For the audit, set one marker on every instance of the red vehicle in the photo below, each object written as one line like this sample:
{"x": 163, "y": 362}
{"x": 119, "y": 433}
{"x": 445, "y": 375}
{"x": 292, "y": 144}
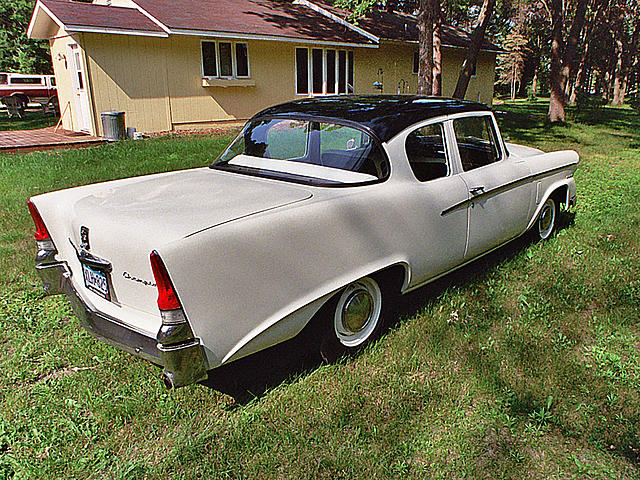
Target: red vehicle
{"x": 29, "y": 88}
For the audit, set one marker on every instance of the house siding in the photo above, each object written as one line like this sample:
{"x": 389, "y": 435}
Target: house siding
{"x": 129, "y": 73}
{"x": 272, "y": 71}
{"x": 158, "y": 81}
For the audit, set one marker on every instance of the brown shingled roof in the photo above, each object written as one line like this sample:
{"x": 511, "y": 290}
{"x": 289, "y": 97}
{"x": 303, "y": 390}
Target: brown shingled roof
{"x": 258, "y": 17}
{"x": 100, "y": 16}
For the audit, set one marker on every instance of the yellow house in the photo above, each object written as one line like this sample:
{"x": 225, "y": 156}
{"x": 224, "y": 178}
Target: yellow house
{"x": 179, "y": 64}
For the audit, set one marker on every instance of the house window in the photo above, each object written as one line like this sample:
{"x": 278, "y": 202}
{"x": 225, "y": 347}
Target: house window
{"x": 225, "y": 59}
{"x": 324, "y": 71}
{"x": 416, "y": 62}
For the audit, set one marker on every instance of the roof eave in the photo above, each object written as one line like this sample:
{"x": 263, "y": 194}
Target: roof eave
{"x": 278, "y": 38}
{"x": 41, "y": 22}
{"x": 115, "y": 31}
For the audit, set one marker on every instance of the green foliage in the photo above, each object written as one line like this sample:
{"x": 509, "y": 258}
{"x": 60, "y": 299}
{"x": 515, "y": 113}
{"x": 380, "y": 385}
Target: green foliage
{"x": 17, "y": 52}
{"x": 634, "y": 102}
{"x": 589, "y": 102}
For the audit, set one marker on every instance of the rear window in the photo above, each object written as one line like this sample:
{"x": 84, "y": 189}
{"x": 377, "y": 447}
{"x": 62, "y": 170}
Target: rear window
{"x": 308, "y": 151}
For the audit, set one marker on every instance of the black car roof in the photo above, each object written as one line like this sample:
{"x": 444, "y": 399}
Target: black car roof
{"x": 384, "y": 115}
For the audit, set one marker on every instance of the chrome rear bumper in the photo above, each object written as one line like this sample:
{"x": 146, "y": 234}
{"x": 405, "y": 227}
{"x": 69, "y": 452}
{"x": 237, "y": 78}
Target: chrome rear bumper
{"x": 183, "y": 361}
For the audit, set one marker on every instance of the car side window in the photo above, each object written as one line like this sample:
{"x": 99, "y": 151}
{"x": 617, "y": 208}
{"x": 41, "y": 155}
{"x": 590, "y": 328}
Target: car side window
{"x": 427, "y": 154}
{"x": 477, "y": 142}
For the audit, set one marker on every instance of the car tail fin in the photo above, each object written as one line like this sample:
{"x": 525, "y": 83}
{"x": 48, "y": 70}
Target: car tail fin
{"x": 41, "y": 230}
{"x": 46, "y": 248}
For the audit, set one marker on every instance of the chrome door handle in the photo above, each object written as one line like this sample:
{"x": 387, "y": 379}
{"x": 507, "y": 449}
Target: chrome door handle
{"x": 476, "y": 190}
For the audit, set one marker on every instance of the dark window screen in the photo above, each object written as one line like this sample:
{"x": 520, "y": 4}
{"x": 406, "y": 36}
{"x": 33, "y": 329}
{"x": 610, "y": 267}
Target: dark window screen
{"x": 226, "y": 68}
{"x": 342, "y": 71}
{"x": 350, "y": 73}
{"x": 209, "y": 68}
{"x": 331, "y": 71}
{"x": 317, "y": 70}
{"x": 242, "y": 60}
{"x": 302, "y": 71}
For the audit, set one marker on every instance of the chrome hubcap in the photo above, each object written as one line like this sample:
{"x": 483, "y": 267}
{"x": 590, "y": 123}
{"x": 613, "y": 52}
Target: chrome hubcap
{"x": 547, "y": 217}
{"x": 545, "y": 221}
{"x": 357, "y": 311}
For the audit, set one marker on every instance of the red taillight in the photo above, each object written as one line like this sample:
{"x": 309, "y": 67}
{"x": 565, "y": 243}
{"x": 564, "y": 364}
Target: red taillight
{"x": 167, "y": 298}
{"x": 41, "y": 230}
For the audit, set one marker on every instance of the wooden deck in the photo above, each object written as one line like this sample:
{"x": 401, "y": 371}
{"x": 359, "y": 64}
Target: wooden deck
{"x": 44, "y": 139}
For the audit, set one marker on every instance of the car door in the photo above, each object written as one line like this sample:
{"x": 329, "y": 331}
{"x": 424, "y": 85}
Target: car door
{"x": 500, "y": 190}
{"x": 440, "y": 239}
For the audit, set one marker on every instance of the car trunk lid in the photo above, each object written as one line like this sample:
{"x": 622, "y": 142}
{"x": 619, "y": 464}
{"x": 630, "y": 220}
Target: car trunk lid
{"x": 121, "y": 222}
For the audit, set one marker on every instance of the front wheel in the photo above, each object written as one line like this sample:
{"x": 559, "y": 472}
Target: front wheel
{"x": 547, "y": 219}
{"x": 358, "y": 318}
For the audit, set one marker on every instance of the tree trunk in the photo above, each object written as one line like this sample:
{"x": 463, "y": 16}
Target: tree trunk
{"x": 562, "y": 64}
{"x": 624, "y": 65}
{"x": 556, "y": 102}
{"x": 425, "y": 55}
{"x": 580, "y": 75}
{"x": 472, "y": 53}
{"x": 437, "y": 50}
{"x": 534, "y": 83}
{"x": 619, "y": 78}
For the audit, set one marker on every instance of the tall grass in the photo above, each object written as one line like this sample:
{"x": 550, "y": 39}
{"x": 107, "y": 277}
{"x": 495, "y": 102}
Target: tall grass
{"x": 525, "y": 364}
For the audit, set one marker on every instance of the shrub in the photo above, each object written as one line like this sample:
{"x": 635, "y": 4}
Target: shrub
{"x": 587, "y": 102}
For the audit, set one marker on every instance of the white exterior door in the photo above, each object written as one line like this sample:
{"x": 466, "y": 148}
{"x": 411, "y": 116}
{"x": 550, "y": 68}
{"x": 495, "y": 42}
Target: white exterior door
{"x": 82, "y": 122}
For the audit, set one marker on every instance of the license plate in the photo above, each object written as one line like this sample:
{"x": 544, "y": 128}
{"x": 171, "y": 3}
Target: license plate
{"x": 96, "y": 281}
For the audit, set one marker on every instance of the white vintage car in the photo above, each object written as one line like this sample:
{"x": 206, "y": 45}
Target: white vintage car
{"x": 320, "y": 209}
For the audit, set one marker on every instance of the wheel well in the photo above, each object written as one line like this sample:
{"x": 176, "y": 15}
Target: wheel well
{"x": 391, "y": 277}
{"x": 559, "y": 195}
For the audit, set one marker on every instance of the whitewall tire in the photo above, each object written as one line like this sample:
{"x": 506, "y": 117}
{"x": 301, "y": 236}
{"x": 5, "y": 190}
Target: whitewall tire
{"x": 355, "y": 318}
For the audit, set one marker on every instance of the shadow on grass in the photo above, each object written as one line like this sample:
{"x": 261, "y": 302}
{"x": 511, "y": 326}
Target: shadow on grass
{"x": 528, "y": 123}
{"x": 252, "y": 376}
{"x": 32, "y": 119}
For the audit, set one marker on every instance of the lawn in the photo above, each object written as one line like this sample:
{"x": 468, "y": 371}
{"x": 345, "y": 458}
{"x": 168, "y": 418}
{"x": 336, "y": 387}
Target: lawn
{"x": 31, "y": 119}
{"x": 525, "y": 364}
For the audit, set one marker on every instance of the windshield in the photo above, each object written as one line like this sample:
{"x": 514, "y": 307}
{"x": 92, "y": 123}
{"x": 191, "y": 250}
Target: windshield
{"x": 305, "y": 151}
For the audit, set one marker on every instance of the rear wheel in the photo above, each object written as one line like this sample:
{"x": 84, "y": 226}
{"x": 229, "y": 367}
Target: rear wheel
{"x": 357, "y": 314}
{"x": 547, "y": 219}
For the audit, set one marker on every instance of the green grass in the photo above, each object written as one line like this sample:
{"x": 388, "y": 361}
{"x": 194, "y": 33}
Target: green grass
{"x": 525, "y": 364}
{"x": 31, "y": 119}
